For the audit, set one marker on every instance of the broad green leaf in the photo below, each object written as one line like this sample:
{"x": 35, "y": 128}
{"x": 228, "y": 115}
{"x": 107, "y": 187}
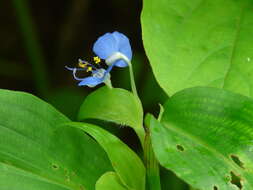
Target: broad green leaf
{"x": 36, "y": 154}
{"x": 115, "y": 105}
{"x": 109, "y": 181}
{"x": 125, "y": 162}
{"x": 206, "y": 138}
{"x": 200, "y": 43}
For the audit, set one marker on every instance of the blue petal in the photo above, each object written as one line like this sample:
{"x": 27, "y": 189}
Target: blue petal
{"x": 124, "y": 46}
{"x": 91, "y": 81}
{"x": 110, "y": 43}
{"x": 105, "y": 46}
{"x": 121, "y": 63}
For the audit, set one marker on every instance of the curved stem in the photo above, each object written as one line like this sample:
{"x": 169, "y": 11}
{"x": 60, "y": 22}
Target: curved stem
{"x": 117, "y": 56}
{"x": 161, "y": 113}
{"x": 133, "y": 86}
{"x": 108, "y": 83}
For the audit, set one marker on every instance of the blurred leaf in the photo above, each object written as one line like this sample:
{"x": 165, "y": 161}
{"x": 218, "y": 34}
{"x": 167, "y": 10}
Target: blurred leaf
{"x": 32, "y": 45}
{"x": 206, "y": 138}
{"x": 36, "y": 154}
{"x": 70, "y": 33}
{"x": 125, "y": 162}
{"x": 109, "y": 181}
{"x": 115, "y": 105}
{"x": 196, "y": 43}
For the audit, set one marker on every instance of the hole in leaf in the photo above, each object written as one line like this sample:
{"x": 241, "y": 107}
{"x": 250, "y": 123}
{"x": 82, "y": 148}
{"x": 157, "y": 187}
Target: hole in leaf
{"x": 55, "y": 166}
{"x": 180, "y": 147}
{"x": 236, "y": 180}
{"x": 237, "y": 161}
{"x": 215, "y": 188}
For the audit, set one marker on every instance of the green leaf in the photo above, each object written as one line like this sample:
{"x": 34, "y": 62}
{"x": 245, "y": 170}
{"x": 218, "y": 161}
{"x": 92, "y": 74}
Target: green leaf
{"x": 200, "y": 43}
{"x": 125, "y": 162}
{"x": 109, "y": 181}
{"x": 115, "y": 105}
{"x": 206, "y": 138}
{"x": 36, "y": 154}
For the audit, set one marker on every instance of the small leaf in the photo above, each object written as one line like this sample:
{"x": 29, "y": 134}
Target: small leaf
{"x": 206, "y": 138}
{"x": 36, "y": 154}
{"x": 109, "y": 181}
{"x": 125, "y": 162}
{"x": 200, "y": 43}
{"x": 115, "y": 105}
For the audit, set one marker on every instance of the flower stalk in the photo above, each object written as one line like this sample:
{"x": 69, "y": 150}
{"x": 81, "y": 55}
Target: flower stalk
{"x": 119, "y": 56}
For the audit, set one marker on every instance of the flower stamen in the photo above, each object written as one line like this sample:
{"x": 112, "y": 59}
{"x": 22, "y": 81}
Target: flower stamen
{"x": 81, "y": 64}
{"x": 74, "y": 75}
{"x": 112, "y": 50}
{"x": 84, "y": 64}
{"x": 89, "y": 69}
{"x": 96, "y": 59}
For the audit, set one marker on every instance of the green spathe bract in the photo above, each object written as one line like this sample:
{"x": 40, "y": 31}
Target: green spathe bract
{"x": 206, "y": 137}
{"x": 115, "y": 105}
{"x": 200, "y": 43}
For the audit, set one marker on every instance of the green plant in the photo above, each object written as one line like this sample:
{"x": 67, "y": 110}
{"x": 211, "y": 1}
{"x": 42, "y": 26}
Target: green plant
{"x": 201, "y": 54}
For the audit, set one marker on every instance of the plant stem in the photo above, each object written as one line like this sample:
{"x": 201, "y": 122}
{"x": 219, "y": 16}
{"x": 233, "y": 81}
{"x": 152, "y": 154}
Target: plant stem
{"x": 152, "y": 166}
{"x": 160, "y": 113}
{"x": 33, "y": 48}
{"x": 117, "y": 56}
{"x": 133, "y": 86}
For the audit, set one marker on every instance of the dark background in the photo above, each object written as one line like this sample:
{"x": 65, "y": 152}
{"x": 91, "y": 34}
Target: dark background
{"x": 38, "y": 38}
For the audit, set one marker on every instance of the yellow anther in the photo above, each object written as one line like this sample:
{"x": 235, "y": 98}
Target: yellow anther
{"x": 96, "y": 59}
{"x": 89, "y": 69}
{"x": 82, "y": 65}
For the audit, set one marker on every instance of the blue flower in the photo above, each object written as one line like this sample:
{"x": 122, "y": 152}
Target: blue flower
{"x": 115, "y": 49}
{"x": 98, "y": 75}
{"x": 112, "y": 43}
